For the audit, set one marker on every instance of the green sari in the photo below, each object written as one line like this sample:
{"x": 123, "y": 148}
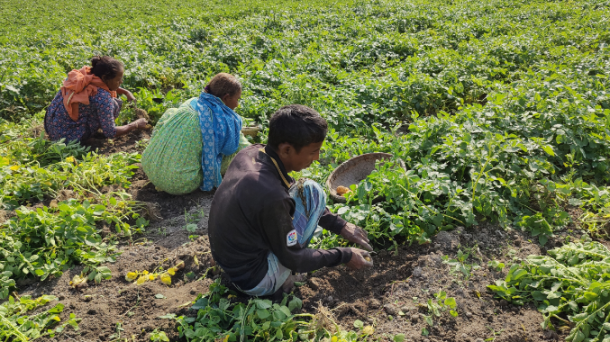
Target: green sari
{"x": 172, "y": 159}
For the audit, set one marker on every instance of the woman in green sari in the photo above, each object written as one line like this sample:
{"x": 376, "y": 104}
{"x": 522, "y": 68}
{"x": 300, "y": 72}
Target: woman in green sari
{"x": 192, "y": 145}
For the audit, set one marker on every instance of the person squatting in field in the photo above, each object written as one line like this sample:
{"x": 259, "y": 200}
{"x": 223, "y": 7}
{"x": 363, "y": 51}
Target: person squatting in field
{"x": 261, "y": 221}
{"x": 192, "y": 145}
{"x": 88, "y": 101}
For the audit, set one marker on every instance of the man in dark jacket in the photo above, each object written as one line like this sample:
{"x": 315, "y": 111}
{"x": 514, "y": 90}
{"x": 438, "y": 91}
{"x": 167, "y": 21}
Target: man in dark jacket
{"x": 261, "y": 220}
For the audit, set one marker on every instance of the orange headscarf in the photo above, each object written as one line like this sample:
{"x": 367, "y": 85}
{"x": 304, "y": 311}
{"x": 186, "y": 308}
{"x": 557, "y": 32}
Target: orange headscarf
{"x": 77, "y": 88}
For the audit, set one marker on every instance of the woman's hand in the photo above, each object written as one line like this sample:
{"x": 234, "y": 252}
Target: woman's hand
{"x": 139, "y": 124}
{"x": 136, "y": 125}
{"x": 127, "y": 94}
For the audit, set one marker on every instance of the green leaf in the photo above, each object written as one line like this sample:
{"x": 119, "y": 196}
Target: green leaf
{"x": 399, "y": 338}
{"x": 285, "y": 311}
{"x": 549, "y": 150}
{"x": 590, "y": 296}
{"x": 263, "y": 314}
{"x": 263, "y": 304}
{"x": 542, "y": 239}
{"x": 551, "y": 309}
{"x": 451, "y": 302}
{"x": 295, "y": 304}
{"x": 201, "y": 303}
{"x": 358, "y": 324}
{"x": 519, "y": 274}
{"x": 579, "y": 337}
{"x": 160, "y": 296}
{"x": 538, "y": 295}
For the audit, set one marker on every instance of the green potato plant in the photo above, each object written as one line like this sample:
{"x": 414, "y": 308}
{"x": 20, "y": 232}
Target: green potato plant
{"x": 47, "y": 241}
{"x": 570, "y": 286}
{"x": 18, "y": 326}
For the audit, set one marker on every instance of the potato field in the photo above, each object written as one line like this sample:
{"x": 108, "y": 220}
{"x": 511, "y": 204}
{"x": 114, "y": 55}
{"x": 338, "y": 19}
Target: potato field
{"x": 496, "y": 229}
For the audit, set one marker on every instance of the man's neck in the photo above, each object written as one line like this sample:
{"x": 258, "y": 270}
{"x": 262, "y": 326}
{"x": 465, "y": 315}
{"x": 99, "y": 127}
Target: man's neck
{"x": 283, "y": 174}
{"x": 279, "y": 159}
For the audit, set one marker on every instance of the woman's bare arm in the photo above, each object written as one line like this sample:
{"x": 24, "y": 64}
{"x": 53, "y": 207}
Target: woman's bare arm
{"x": 133, "y": 126}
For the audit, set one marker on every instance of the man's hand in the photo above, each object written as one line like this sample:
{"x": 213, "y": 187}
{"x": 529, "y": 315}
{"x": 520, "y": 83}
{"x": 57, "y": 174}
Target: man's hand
{"x": 355, "y": 234}
{"x": 360, "y": 259}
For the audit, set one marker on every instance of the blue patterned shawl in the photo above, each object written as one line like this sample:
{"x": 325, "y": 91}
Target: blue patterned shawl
{"x": 220, "y": 129}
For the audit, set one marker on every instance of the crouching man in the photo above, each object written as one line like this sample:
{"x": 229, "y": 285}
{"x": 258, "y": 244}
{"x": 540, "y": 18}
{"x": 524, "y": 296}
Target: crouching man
{"x": 261, "y": 220}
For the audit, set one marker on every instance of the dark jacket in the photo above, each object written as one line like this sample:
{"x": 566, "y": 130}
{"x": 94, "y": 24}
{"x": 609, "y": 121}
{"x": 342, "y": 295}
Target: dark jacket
{"x": 251, "y": 214}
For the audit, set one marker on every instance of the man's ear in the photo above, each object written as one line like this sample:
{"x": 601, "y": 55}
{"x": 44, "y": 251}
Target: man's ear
{"x": 284, "y": 149}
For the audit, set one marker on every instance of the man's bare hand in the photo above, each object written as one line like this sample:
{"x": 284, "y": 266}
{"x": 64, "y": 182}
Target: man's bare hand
{"x": 355, "y": 234}
{"x": 360, "y": 259}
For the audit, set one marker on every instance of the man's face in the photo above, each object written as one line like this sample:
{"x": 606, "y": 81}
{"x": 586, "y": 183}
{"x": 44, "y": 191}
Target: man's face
{"x": 294, "y": 161}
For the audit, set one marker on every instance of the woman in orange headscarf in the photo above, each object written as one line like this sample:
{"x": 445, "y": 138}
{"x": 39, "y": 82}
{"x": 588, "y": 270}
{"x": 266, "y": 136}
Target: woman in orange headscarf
{"x": 88, "y": 101}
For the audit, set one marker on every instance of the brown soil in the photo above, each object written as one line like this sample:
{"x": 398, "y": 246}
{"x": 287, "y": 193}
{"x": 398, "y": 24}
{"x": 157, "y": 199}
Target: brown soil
{"x": 391, "y": 296}
{"x": 136, "y": 307}
{"x": 125, "y": 143}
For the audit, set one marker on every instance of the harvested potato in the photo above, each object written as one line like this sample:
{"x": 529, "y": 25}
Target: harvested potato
{"x": 342, "y": 190}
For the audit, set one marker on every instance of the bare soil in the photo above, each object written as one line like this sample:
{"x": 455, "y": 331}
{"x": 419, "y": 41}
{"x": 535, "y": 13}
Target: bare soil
{"x": 392, "y": 295}
{"x": 125, "y": 143}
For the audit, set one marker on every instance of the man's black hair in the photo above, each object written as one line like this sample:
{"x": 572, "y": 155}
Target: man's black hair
{"x": 296, "y": 125}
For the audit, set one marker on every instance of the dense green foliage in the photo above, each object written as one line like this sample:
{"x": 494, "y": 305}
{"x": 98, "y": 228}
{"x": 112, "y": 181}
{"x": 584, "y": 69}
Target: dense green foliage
{"x": 32, "y": 167}
{"x": 48, "y": 241}
{"x": 500, "y": 111}
{"x": 572, "y": 282}
{"x": 504, "y": 105}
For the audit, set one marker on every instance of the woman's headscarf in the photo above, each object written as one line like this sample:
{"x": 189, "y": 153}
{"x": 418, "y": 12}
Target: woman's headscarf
{"x": 220, "y": 129}
{"x": 77, "y": 88}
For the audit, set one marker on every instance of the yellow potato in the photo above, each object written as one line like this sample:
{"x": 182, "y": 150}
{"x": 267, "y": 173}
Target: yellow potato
{"x": 342, "y": 190}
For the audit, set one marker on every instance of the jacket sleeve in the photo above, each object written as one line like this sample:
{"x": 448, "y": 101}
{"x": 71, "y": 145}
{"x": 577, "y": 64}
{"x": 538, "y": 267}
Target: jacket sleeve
{"x": 277, "y": 224}
{"x": 332, "y": 222}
